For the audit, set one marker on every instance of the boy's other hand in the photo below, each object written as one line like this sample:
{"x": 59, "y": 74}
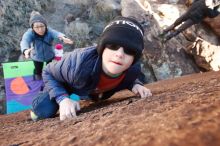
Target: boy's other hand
{"x": 142, "y": 91}
{"x": 68, "y": 108}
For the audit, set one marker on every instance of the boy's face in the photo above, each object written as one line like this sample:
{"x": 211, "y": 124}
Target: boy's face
{"x": 39, "y": 28}
{"x": 115, "y": 60}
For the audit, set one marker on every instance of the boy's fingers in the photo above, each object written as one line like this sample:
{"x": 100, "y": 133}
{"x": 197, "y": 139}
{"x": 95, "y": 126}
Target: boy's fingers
{"x": 146, "y": 93}
{"x": 135, "y": 91}
{"x": 149, "y": 94}
{"x": 68, "y": 113}
{"x": 73, "y": 113}
{"x": 77, "y": 106}
{"x": 142, "y": 93}
{"x": 62, "y": 117}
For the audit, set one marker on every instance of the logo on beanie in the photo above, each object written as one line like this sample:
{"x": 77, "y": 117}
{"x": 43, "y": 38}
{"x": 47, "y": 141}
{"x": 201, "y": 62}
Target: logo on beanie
{"x": 124, "y": 22}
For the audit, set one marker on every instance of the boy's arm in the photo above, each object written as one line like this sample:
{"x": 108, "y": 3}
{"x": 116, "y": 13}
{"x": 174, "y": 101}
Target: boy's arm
{"x": 56, "y": 74}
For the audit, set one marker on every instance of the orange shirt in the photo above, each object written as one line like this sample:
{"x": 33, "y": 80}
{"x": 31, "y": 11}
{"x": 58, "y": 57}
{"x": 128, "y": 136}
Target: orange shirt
{"x": 107, "y": 83}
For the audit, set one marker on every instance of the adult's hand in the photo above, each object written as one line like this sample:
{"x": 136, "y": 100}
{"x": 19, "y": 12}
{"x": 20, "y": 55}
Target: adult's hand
{"x": 27, "y": 53}
{"x": 66, "y": 40}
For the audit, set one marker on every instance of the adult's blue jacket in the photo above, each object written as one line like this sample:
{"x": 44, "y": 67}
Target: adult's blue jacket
{"x": 42, "y": 45}
{"x": 78, "y": 72}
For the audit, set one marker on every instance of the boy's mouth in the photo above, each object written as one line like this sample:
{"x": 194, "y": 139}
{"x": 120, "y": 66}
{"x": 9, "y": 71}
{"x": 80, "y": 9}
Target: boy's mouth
{"x": 118, "y": 63}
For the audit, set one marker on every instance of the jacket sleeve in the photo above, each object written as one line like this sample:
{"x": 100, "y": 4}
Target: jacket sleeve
{"x": 26, "y": 40}
{"x": 58, "y": 74}
{"x": 54, "y": 33}
{"x": 139, "y": 80}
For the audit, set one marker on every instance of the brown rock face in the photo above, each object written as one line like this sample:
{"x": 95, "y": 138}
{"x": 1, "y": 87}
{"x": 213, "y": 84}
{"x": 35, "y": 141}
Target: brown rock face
{"x": 182, "y": 112}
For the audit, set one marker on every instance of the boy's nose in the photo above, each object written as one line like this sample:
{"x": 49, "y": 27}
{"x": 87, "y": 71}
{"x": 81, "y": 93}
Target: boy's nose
{"x": 120, "y": 52}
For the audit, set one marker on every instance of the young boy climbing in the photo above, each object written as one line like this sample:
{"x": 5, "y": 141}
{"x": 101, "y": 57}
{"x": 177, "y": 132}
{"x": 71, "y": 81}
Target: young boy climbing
{"x": 37, "y": 42}
{"x": 94, "y": 73}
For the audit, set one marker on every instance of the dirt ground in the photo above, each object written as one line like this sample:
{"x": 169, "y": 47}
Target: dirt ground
{"x": 182, "y": 112}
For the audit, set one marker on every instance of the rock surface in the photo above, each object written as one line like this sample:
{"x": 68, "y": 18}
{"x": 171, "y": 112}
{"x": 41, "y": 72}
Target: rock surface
{"x": 182, "y": 112}
{"x": 84, "y": 20}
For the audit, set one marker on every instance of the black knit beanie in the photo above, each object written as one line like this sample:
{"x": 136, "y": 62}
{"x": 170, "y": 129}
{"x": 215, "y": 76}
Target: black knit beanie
{"x": 123, "y": 31}
{"x": 37, "y": 18}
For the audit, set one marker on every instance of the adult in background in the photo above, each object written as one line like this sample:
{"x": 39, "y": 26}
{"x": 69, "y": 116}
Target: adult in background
{"x": 37, "y": 42}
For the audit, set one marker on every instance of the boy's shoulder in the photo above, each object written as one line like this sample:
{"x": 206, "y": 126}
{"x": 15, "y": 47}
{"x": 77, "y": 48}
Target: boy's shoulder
{"x": 87, "y": 52}
{"x": 88, "y": 49}
{"x": 83, "y": 58}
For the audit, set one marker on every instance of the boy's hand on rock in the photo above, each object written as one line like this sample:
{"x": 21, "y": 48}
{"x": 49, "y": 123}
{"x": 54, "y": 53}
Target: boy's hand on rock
{"x": 142, "y": 91}
{"x": 68, "y": 108}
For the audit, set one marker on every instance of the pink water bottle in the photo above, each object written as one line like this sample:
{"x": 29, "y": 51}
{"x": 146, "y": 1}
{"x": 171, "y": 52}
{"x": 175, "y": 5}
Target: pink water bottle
{"x": 58, "y": 52}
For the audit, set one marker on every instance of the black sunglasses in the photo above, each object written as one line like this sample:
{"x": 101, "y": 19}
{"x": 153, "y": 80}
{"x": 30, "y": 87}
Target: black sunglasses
{"x": 128, "y": 51}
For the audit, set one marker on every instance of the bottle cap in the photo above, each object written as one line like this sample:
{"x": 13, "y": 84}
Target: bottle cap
{"x": 59, "y": 46}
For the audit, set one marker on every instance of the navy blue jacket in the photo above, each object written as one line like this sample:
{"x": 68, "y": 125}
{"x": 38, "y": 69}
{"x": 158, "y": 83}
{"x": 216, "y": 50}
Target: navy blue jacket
{"x": 79, "y": 71}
